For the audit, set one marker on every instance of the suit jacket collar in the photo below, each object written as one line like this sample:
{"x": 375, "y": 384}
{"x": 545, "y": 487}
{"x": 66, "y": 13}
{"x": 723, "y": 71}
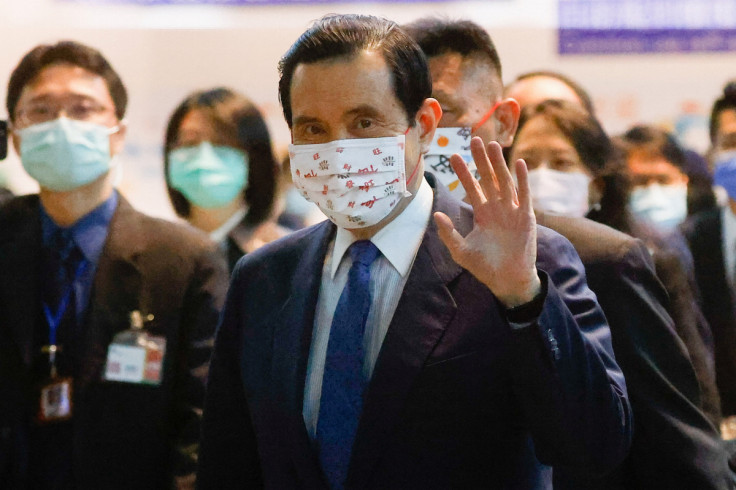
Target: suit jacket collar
{"x": 424, "y": 310}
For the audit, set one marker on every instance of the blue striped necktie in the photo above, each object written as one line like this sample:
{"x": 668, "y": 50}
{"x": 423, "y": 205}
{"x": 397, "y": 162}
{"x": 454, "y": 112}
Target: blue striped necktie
{"x": 343, "y": 383}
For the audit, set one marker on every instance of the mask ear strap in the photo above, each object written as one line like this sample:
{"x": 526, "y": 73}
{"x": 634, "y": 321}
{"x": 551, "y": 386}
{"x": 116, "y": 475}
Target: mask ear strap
{"x": 486, "y": 116}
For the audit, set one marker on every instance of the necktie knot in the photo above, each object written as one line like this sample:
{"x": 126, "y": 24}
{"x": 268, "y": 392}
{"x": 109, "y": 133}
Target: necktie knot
{"x": 363, "y": 252}
{"x": 63, "y": 244}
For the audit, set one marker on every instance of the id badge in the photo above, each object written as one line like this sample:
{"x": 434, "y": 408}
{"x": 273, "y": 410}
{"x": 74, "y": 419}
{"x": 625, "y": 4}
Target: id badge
{"x": 135, "y": 357}
{"x": 55, "y": 403}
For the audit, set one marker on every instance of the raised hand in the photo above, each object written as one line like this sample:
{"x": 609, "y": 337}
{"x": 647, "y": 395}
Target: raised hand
{"x": 501, "y": 250}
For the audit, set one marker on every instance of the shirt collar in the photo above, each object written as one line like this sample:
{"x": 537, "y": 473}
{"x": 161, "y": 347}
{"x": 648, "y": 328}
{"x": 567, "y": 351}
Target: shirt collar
{"x": 399, "y": 240}
{"x": 89, "y": 232}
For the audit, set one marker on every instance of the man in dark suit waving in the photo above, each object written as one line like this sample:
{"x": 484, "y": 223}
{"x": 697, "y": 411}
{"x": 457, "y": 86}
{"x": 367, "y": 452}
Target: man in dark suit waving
{"x": 399, "y": 349}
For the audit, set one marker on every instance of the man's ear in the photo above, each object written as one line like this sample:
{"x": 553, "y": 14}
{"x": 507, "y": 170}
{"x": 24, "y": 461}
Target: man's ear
{"x": 428, "y": 117}
{"x": 117, "y": 139}
{"x": 506, "y": 118}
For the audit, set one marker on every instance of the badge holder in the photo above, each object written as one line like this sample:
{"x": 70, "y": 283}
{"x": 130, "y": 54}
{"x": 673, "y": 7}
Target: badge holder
{"x": 55, "y": 401}
{"x": 134, "y": 356}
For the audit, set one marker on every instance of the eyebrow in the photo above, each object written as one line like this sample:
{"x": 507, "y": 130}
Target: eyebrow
{"x": 299, "y": 120}
{"x": 364, "y": 110}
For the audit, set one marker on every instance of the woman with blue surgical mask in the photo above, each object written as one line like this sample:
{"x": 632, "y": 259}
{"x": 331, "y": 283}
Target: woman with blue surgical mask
{"x": 221, "y": 172}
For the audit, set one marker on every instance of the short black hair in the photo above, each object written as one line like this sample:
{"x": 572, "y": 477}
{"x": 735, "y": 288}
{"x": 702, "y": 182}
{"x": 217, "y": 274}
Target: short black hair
{"x": 336, "y": 36}
{"x": 70, "y": 52}
{"x": 437, "y": 36}
{"x": 232, "y": 114}
{"x": 727, "y": 101}
{"x": 580, "y": 92}
{"x": 654, "y": 141}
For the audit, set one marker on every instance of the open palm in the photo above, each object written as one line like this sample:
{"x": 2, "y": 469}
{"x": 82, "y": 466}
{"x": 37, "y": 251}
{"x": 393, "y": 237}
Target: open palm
{"x": 501, "y": 249}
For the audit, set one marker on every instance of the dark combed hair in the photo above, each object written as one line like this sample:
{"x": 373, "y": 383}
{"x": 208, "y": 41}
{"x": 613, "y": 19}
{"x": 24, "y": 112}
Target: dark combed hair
{"x": 727, "y": 101}
{"x": 70, "y": 52}
{"x": 437, "y": 36}
{"x": 654, "y": 142}
{"x": 596, "y": 151}
{"x": 236, "y": 116}
{"x": 336, "y": 36}
{"x": 580, "y": 92}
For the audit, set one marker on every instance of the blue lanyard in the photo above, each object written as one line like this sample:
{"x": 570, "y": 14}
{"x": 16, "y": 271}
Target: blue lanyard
{"x": 54, "y": 319}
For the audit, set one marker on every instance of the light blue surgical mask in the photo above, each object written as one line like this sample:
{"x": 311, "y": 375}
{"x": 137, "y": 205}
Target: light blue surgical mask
{"x": 64, "y": 154}
{"x": 662, "y": 206}
{"x": 208, "y": 176}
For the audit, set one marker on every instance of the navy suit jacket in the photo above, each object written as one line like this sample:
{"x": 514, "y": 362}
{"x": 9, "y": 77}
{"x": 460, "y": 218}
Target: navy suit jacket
{"x": 458, "y": 399}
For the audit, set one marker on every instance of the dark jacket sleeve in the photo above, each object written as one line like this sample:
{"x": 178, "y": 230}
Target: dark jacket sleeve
{"x": 571, "y": 390}
{"x": 675, "y": 446}
{"x": 201, "y": 308}
{"x": 229, "y": 454}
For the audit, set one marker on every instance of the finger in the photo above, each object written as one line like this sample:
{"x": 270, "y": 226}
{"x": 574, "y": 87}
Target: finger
{"x": 525, "y": 193}
{"x": 503, "y": 175}
{"x": 471, "y": 186}
{"x": 449, "y": 235}
{"x": 488, "y": 181}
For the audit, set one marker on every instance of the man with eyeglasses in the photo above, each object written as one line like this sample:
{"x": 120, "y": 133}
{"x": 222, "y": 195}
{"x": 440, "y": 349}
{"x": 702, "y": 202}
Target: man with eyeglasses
{"x": 107, "y": 315}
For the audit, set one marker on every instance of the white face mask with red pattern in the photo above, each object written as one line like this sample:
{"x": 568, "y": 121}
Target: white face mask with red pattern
{"x": 355, "y": 182}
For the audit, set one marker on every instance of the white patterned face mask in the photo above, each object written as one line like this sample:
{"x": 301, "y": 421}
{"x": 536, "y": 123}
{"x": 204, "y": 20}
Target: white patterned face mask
{"x": 446, "y": 142}
{"x": 355, "y": 182}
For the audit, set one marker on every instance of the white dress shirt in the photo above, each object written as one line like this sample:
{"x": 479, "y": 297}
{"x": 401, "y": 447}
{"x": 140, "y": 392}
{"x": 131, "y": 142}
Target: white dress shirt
{"x": 729, "y": 242}
{"x": 398, "y": 243}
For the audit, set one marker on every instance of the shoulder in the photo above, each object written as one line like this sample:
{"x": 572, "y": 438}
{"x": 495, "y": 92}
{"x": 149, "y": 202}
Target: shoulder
{"x": 156, "y": 233}
{"x": 593, "y": 241}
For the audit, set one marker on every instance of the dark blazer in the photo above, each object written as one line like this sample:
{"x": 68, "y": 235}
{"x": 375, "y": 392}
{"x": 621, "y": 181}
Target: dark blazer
{"x": 675, "y": 446}
{"x": 458, "y": 399}
{"x": 705, "y": 236}
{"x": 123, "y": 435}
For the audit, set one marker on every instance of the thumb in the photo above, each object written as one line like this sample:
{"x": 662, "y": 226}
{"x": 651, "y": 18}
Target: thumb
{"x": 449, "y": 235}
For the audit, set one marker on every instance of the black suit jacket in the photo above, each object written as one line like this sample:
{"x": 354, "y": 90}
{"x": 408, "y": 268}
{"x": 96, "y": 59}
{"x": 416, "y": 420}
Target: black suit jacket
{"x": 705, "y": 236}
{"x": 675, "y": 446}
{"x": 458, "y": 399}
{"x": 124, "y": 435}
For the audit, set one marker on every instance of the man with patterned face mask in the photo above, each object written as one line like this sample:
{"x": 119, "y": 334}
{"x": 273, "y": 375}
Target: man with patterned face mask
{"x": 108, "y": 315}
{"x": 411, "y": 341}
{"x": 673, "y": 438}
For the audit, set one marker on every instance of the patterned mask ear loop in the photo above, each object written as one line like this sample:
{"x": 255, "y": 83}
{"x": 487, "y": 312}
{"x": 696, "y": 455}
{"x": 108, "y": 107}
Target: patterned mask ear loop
{"x": 486, "y": 117}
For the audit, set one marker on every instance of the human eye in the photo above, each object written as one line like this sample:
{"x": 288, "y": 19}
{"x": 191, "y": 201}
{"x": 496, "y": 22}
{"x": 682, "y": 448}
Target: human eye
{"x": 84, "y": 109}
{"x": 364, "y": 123}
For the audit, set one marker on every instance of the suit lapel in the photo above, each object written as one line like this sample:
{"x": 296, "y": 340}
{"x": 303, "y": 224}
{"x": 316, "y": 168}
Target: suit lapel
{"x": 291, "y": 344}
{"x": 425, "y": 309}
{"x": 20, "y": 263}
{"x": 116, "y": 289}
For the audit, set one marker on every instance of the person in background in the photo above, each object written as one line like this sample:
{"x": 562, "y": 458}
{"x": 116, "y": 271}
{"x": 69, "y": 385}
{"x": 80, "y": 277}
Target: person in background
{"x": 575, "y": 167}
{"x": 533, "y": 87}
{"x": 411, "y": 341}
{"x": 711, "y": 235}
{"x": 659, "y": 182}
{"x": 108, "y": 315}
{"x": 221, "y": 172}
